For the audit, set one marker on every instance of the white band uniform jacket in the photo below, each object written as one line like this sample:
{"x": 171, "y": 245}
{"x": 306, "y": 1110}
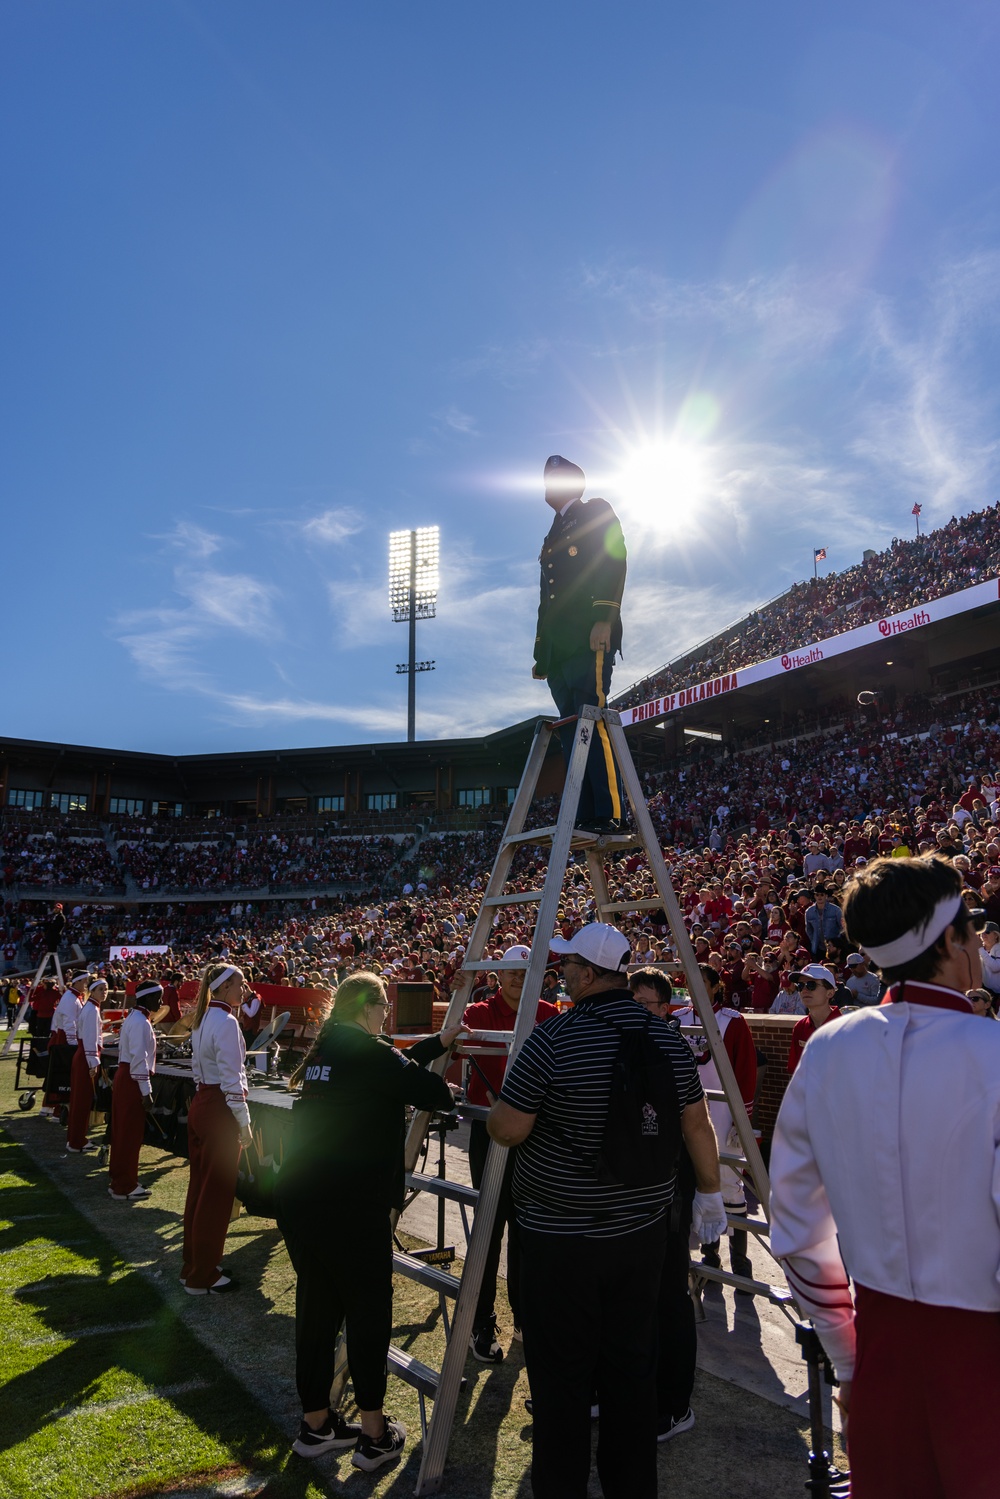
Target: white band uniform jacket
{"x": 887, "y": 1140}
{"x": 137, "y": 1047}
{"x": 90, "y": 1031}
{"x": 218, "y": 1058}
{"x": 64, "y": 1017}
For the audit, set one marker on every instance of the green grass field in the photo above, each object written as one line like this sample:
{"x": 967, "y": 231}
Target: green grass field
{"x": 104, "y": 1392}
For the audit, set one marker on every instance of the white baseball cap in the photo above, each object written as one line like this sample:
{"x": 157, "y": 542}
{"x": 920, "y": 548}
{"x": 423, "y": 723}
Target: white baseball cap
{"x": 604, "y": 946}
{"x": 815, "y": 971}
{"x": 524, "y": 953}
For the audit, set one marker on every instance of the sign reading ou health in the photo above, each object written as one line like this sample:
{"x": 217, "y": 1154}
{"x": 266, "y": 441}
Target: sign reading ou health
{"x": 124, "y": 953}
{"x": 792, "y": 659}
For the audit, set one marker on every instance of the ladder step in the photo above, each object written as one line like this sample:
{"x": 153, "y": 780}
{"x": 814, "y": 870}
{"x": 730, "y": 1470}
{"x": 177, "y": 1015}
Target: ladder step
{"x": 437, "y": 1187}
{"x": 633, "y": 905}
{"x": 580, "y": 839}
{"x": 426, "y": 1275}
{"x": 473, "y": 1111}
{"x": 758, "y": 1226}
{"x": 412, "y": 1372}
{"x": 780, "y": 1295}
{"x": 732, "y": 1158}
{"x": 478, "y": 966}
{"x": 512, "y": 900}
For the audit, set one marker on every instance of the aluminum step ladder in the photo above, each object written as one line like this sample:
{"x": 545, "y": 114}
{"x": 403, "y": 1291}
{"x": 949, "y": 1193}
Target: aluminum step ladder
{"x": 563, "y": 839}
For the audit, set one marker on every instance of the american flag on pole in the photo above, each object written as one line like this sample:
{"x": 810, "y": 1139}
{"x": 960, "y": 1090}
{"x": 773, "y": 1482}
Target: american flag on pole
{"x": 819, "y": 555}
{"x": 916, "y": 509}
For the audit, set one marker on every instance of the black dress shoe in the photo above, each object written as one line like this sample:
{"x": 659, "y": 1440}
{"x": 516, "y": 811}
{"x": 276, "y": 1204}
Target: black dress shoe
{"x": 601, "y": 825}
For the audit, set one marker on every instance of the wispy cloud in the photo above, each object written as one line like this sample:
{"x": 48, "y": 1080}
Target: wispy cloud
{"x": 192, "y": 539}
{"x": 452, "y": 419}
{"x": 333, "y": 525}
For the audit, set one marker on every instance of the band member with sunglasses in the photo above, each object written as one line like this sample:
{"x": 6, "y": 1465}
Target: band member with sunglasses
{"x": 885, "y": 1167}
{"x": 816, "y": 987}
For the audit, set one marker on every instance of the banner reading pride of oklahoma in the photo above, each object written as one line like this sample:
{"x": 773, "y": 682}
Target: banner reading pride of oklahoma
{"x": 930, "y": 613}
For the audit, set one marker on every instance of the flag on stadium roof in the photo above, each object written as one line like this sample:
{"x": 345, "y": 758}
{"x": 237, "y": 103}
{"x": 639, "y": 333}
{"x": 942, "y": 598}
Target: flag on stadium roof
{"x": 820, "y": 554}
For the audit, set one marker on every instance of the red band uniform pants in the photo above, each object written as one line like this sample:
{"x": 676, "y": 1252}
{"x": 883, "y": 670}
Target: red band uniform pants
{"x": 128, "y": 1126}
{"x": 924, "y": 1401}
{"x": 81, "y": 1100}
{"x": 214, "y": 1153}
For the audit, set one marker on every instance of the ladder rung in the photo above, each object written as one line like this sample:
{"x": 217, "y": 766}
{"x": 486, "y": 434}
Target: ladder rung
{"x": 758, "y": 1226}
{"x": 732, "y": 1158}
{"x": 512, "y": 900}
{"x": 579, "y": 840}
{"x": 485, "y": 964}
{"x": 441, "y": 1187}
{"x": 778, "y": 1294}
{"x": 412, "y": 1372}
{"x": 426, "y": 1275}
{"x": 634, "y": 905}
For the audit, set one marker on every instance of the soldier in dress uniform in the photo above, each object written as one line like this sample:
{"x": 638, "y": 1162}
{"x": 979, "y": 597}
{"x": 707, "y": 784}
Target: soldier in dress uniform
{"x": 579, "y": 629}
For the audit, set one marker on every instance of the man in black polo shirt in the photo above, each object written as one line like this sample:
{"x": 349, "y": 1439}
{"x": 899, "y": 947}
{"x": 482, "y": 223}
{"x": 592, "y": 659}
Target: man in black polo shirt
{"x": 592, "y": 1253}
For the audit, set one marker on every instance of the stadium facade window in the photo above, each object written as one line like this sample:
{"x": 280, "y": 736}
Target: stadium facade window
{"x": 381, "y": 801}
{"x": 329, "y": 804}
{"x": 30, "y": 800}
{"x": 69, "y": 801}
{"x": 506, "y": 795}
{"x": 473, "y": 796}
{"x": 166, "y": 809}
{"x": 126, "y": 806}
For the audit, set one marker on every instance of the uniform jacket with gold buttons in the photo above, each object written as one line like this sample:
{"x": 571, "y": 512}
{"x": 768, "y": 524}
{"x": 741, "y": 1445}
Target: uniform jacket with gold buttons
{"x": 583, "y": 562}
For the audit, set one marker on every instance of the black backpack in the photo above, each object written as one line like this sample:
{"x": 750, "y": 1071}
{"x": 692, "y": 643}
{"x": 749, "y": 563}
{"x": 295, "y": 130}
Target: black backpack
{"x": 642, "y": 1136}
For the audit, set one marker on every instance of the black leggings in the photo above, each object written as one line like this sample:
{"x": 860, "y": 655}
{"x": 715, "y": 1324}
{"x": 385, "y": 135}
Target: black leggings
{"x": 343, "y": 1267}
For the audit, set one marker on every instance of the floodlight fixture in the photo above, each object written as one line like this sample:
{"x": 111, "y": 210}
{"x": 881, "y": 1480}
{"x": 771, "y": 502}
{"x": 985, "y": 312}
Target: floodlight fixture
{"x": 414, "y": 575}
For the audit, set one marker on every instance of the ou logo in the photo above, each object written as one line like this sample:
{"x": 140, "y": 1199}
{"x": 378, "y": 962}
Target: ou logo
{"x": 884, "y": 628}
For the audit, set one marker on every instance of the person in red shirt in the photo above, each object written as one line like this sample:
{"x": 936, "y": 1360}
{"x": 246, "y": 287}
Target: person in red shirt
{"x": 817, "y": 987}
{"x": 496, "y": 1013}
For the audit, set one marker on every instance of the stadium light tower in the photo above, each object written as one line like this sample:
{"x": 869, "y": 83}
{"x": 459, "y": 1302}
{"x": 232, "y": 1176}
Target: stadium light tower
{"x": 414, "y": 567}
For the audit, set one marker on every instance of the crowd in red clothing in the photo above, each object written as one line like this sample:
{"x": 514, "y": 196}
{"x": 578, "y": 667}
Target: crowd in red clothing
{"x": 906, "y": 574}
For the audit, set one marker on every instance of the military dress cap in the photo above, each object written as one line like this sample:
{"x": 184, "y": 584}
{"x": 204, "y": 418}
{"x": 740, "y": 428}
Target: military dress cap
{"x": 560, "y": 474}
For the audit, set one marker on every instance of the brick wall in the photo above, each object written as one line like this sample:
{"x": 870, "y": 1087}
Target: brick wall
{"x": 772, "y": 1035}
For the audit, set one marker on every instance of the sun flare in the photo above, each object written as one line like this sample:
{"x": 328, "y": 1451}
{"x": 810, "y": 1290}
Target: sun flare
{"x": 664, "y": 482}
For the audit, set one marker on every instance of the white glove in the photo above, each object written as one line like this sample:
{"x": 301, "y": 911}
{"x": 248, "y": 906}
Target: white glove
{"x": 708, "y": 1217}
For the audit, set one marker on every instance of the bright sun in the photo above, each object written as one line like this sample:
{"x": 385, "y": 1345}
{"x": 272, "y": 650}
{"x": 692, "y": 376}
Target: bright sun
{"x": 665, "y": 482}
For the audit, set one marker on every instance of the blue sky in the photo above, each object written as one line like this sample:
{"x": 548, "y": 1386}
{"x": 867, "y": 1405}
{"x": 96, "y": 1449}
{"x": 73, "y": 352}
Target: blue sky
{"x": 279, "y": 278}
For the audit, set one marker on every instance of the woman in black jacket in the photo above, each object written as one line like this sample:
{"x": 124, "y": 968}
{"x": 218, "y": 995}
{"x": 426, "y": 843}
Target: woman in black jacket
{"x": 342, "y": 1177}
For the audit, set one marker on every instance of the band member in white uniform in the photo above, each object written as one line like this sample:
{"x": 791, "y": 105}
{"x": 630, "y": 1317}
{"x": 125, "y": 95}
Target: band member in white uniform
{"x": 886, "y": 1160}
{"x": 87, "y": 1059}
{"x": 132, "y": 1097}
{"x": 218, "y": 1127}
{"x": 62, "y": 1045}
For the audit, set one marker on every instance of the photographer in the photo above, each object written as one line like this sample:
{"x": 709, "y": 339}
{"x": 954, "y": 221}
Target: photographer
{"x": 341, "y": 1179}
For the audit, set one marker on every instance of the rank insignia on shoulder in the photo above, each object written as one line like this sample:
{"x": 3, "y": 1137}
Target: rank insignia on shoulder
{"x": 572, "y": 551}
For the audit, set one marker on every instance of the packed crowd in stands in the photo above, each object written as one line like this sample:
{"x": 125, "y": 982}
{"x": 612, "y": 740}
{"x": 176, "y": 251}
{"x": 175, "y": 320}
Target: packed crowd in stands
{"x": 759, "y": 844}
{"x": 55, "y": 858}
{"x": 272, "y": 861}
{"x": 906, "y": 574}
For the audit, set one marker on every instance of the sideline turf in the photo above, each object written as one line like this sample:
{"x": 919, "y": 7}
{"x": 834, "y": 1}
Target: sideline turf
{"x": 79, "y": 1416}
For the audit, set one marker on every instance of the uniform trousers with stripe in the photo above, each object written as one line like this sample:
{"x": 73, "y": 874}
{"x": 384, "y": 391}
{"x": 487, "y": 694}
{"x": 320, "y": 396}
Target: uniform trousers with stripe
{"x": 574, "y": 681}
{"x": 590, "y": 1323}
{"x": 342, "y": 1256}
{"x": 924, "y": 1401}
{"x": 128, "y": 1127}
{"x": 214, "y": 1153}
{"x": 81, "y": 1100}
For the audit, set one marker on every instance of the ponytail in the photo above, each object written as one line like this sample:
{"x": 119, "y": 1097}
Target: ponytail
{"x": 348, "y": 1002}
